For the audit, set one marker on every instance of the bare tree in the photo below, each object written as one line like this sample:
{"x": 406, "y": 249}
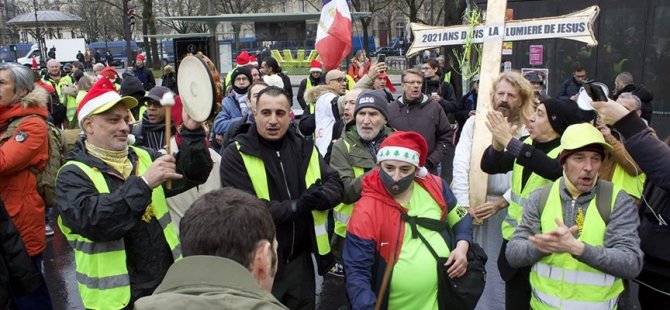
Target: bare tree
{"x": 388, "y": 14}
{"x": 374, "y": 7}
{"x": 170, "y": 8}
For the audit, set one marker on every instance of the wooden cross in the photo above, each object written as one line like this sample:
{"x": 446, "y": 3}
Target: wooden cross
{"x": 576, "y": 26}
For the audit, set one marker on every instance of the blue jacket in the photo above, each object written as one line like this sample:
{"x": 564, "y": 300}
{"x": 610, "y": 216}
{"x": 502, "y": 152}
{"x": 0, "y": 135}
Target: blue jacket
{"x": 231, "y": 113}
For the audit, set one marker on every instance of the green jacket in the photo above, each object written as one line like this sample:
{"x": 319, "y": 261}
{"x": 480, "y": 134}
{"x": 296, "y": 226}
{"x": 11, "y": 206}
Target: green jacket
{"x": 208, "y": 282}
{"x": 342, "y": 161}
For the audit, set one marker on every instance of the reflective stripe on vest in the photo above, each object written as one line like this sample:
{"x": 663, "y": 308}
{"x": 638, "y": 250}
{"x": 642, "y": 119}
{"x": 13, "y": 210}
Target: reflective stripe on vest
{"x": 629, "y": 183}
{"x": 519, "y": 196}
{"x": 101, "y": 270}
{"x": 559, "y": 281}
{"x": 256, "y": 171}
{"x": 343, "y": 211}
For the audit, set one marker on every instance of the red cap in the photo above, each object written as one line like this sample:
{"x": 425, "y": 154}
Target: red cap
{"x": 139, "y": 57}
{"x": 315, "y": 66}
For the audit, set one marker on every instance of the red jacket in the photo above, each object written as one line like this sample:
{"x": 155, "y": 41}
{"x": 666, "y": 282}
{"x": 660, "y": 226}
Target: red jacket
{"x": 375, "y": 232}
{"x": 28, "y": 147}
{"x": 354, "y": 70}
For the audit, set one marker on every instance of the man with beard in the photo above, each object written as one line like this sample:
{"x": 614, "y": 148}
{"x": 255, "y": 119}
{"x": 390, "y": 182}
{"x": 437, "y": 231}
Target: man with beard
{"x": 533, "y": 163}
{"x": 150, "y": 133}
{"x": 270, "y": 160}
{"x": 315, "y": 78}
{"x": 417, "y": 112}
{"x": 355, "y": 153}
{"x": 143, "y": 73}
{"x": 514, "y": 97}
{"x": 234, "y": 107}
{"x": 578, "y": 234}
{"x": 624, "y": 83}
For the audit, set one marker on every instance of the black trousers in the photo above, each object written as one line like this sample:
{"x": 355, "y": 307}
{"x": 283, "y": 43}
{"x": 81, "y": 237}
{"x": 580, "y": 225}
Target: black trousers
{"x": 295, "y": 288}
{"x": 651, "y": 298}
{"x": 517, "y": 282}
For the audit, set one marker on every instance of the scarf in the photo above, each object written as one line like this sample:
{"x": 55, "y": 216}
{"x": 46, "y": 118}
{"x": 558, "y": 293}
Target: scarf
{"x": 116, "y": 159}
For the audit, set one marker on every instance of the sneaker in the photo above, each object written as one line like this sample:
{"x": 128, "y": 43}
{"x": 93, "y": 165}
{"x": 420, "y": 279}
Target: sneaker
{"x": 49, "y": 230}
{"x": 337, "y": 270}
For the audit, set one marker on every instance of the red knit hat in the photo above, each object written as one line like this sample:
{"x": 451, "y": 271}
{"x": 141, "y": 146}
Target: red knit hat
{"x": 100, "y": 98}
{"x": 243, "y": 58}
{"x": 139, "y": 57}
{"x": 407, "y": 146}
{"x": 315, "y": 66}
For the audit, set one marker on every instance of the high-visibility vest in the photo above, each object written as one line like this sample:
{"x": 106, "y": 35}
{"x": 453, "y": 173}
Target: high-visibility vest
{"x": 101, "y": 270}
{"x": 70, "y": 102}
{"x": 256, "y": 171}
{"x": 519, "y": 196}
{"x": 629, "y": 183}
{"x": 559, "y": 281}
{"x": 342, "y": 212}
{"x": 350, "y": 82}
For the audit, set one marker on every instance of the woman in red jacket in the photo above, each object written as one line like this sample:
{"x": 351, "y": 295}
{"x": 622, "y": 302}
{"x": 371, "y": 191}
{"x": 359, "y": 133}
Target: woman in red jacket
{"x": 26, "y": 148}
{"x": 359, "y": 65}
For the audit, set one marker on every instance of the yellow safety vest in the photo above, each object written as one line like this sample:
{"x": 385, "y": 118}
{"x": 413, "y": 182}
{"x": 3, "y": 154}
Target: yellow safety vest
{"x": 559, "y": 281}
{"x": 256, "y": 171}
{"x": 70, "y": 102}
{"x": 102, "y": 274}
{"x": 629, "y": 183}
{"x": 350, "y": 82}
{"x": 519, "y": 196}
{"x": 342, "y": 212}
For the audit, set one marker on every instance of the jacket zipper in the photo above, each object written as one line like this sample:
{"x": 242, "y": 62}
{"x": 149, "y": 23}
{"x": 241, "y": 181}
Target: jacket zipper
{"x": 281, "y": 166}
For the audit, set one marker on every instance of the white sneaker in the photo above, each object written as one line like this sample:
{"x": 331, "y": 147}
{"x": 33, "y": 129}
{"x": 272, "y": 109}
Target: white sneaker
{"x": 49, "y": 231}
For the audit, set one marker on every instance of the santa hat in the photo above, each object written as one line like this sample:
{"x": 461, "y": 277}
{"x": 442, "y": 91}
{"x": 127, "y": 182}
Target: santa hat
{"x": 243, "y": 58}
{"x": 389, "y": 84}
{"x": 407, "y": 146}
{"x": 108, "y": 72}
{"x": 100, "y": 98}
{"x": 139, "y": 57}
{"x": 253, "y": 61}
{"x": 315, "y": 66}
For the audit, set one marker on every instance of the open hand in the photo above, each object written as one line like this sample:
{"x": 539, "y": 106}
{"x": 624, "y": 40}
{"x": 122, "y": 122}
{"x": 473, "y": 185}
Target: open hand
{"x": 458, "y": 260}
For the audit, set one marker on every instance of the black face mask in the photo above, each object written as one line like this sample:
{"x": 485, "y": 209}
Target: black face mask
{"x": 394, "y": 188}
{"x": 240, "y": 91}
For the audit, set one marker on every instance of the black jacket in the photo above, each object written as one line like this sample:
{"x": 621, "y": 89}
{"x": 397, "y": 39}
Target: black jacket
{"x": 114, "y": 216}
{"x": 645, "y": 97}
{"x": 533, "y": 157}
{"x": 288, "y": 87}
{"x": 653, "y": 156}
{"x": 303, "y": 87}
{"x": 444, "y": 90}
{"x": 168, "y": 80}
{"x": 16, "y": 268}
{"x": 149, "y": 135}
{"x": 569, "y": 88}
{"x": 145, "y": 76}
{"x": 286, "y": 163}
{"x": 427, "y": 118}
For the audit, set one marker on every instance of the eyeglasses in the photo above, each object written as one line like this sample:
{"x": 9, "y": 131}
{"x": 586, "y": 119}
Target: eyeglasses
{"x": 418, "y": 82}
{"x": 339, "y": 80}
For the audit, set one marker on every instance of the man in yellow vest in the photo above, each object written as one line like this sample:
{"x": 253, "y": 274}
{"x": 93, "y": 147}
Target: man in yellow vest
{"x": 579, "y": 233}
{"x": 355, "y": 153}
{"x": 270, "y": 160}
{"x": 112, "y": 202}
{"x": 533, "y": 162}
{"x": 315, "y": 78}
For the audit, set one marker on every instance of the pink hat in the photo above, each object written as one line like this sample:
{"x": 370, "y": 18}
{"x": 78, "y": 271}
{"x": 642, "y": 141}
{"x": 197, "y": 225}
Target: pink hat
{"x": 243, "y": 58}
{"x": 315, "y": 66}
{"x": 100, "y": 98}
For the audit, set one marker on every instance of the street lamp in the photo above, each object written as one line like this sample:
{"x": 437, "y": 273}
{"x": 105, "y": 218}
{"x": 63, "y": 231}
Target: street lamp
{"x": 37, "y": 33}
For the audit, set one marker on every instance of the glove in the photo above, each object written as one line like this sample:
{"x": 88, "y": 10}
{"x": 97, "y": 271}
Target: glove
{"x": 311, "y": 199}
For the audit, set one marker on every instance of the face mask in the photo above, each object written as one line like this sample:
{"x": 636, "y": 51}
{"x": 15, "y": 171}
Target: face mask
{"x": 394, "y": 188}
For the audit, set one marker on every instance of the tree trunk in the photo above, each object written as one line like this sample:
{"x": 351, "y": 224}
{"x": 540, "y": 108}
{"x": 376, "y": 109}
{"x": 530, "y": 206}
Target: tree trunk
{"x": 151, "y": 21}
{"x": 365, "y": 23}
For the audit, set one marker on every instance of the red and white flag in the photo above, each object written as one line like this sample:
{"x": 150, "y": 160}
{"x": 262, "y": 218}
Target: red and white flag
{"x": 333, "y": 37}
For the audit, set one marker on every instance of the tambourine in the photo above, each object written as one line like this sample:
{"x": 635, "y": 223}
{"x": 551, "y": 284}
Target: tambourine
{"x": 196, "y": 88}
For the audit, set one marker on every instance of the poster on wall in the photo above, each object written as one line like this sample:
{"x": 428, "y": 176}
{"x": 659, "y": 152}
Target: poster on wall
{"x": 536, "y": 55}
{"x": 537, "y": 75}
{"x": 508, "y": 46}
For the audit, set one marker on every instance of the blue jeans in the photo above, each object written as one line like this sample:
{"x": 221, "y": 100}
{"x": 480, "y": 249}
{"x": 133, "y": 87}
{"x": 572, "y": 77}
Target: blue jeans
{"x": 40, "y": 298}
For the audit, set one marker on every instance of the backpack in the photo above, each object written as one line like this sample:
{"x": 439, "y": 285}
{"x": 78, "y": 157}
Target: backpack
{"x": 46, "y": 179}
